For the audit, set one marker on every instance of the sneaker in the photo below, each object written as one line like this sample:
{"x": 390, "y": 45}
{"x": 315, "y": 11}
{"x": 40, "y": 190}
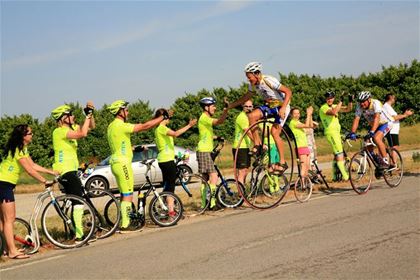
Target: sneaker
{"x": 131, "y": 228}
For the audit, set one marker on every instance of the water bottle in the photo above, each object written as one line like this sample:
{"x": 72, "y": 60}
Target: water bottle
{"x": 141, "y": 207}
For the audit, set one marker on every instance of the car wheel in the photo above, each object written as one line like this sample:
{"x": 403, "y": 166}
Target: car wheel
{"x": 185, "y": 171}
{"x": 97, "y": 183}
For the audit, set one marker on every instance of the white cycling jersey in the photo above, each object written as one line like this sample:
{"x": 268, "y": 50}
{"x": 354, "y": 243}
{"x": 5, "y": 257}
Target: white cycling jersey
{"x": 374, "y": 108}
{"x": 269, "y": 89}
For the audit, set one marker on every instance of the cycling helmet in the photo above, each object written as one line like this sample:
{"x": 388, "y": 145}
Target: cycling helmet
{"x": 60, "y": 111}
{"x": 115, "y": 107}
{"x": 329, "y": 94}
{"x": 363, "y": 96}
{"x": 207, "y": 101}
{"x": 253, "y": 67}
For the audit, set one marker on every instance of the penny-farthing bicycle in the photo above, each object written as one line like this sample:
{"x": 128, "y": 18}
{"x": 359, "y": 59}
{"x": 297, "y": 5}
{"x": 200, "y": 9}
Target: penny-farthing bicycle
{"x": 265, "y": 186}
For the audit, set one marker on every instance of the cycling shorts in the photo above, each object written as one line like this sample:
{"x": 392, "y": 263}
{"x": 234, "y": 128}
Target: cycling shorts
{"x": 335, "y": 141}
{"x": 6, "y": 192}
{"x": 274, "y": 154}
{"x": 274, "y": 113}
{"x": 244, "y": 159}
{"x": 71, "y": 183}
{"x": 303, "y": 151}
{"x": 123, "y": 173}
{"x": 384, "y": 128}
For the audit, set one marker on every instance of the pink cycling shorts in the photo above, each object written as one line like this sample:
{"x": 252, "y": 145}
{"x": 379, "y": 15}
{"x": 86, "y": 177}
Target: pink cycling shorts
{"x": 304, "y": 151}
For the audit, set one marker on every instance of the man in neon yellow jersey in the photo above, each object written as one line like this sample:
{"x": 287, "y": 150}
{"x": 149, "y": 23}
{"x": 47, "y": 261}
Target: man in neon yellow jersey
{"x": 119, "y": 132}
{"x": 65, "y": 138}
{"x": 206, "y": 145}
{"x": 241, "y": 125}
{"x": 332, "y": 130}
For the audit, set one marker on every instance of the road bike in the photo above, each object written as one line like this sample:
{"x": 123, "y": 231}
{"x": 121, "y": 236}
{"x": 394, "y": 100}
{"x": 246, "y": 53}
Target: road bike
{"x": 56, "y": 221}
{"x": 158, "y": 206}
{"x": 266, "y": 187}
{"x": 362, "y": 164}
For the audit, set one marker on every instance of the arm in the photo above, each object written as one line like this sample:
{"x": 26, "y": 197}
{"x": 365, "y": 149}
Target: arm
{"x": 182, "y": 130}
{"x": 347, "y": 109}
{"x": 375, "y": 123}
{"x": 355, "y": 124}
{"x": 39, "y": 168}
{"x": 406, "y": 114}
{"x": 81, "y": 132}
{"x": 147, "y": 125}
{"x": 288, "y": 96}
{"x": 92, "y": 124}
{"x": 222, "y": 117}
{"x": 241, "y": 100}
{"x": 334, "y": 111}
{"x": 27, "y": 165}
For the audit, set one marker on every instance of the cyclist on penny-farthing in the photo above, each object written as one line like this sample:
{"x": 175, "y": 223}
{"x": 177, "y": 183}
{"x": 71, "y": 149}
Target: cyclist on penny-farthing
{"x": 379, "y": 121}
{"x": 277, "y": 98}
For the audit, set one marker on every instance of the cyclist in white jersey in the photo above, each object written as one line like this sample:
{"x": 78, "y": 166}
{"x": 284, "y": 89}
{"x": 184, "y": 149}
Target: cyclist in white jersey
{"x": 379, "y": 121}
{"x": 277, "y": 98}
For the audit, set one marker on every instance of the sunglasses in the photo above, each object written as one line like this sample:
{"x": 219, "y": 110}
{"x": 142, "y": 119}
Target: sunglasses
{"x": 246, "y": 106}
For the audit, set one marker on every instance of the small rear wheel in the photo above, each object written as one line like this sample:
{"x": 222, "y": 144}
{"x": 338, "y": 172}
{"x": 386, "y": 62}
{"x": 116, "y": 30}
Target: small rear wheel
{"x": 360, "y": 172}
{"x": 22, "y": 236}
{"x": 160, "y": 212}
{"x": 303, "y": 189}
{"x": 228, "y": 194}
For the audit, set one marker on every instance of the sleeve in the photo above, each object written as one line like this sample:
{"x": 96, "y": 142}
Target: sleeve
{"x": 377, "y": 107}
{"x": 21, "y": 154}
{"x": 127, "y": 128}
{"x": 388, "y": 110}
{"x": 324, "y": 109}
{"x": 243, "y": 122}
{"x": 272, "y": 82}
{"x": 208, "y": 121}
{"x": 358, "y": 111}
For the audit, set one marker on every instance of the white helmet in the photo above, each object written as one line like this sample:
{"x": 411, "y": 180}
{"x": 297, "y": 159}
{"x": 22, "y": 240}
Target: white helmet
{"x": 253, "y": 67}
{"x": 363, "y": 96}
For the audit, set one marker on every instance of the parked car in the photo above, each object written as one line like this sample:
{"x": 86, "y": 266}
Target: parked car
{"x": 100, "y": 176}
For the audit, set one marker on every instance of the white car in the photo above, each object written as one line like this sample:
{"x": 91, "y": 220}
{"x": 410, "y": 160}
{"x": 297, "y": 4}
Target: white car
{"x": 100, "y": 176}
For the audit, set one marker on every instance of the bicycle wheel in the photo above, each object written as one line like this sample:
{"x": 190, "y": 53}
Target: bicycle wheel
{"x": 228, "y": 194}
{"x": 185, "y": 172}
{"x": 200, "y": 198}
{"x": 58, "y": 222}
{"x": 22, "y": 236}
{"x": 394, "y": 174}
{"x": 159, "y": 209}
{"x": 274, "y": 185}
{"x": 360, "y": 172}
{"x": 107, "y": 211}
{"x": 253, "y": 191}
{"x": 303, "y": 189}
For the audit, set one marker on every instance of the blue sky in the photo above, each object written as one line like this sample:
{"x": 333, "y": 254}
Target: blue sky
{"x": 54, "y": 52}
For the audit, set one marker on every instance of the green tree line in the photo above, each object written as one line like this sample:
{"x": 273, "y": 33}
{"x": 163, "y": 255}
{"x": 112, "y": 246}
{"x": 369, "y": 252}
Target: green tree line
{"x": 402, "y": 80}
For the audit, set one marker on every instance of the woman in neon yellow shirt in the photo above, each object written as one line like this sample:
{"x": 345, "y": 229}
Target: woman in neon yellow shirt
{"x": 164, "y": 138}
{"x": 16, "y": 159}
{"x": 302, "y": 143}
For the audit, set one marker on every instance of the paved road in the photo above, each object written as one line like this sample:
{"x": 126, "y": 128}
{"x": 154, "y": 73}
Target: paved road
{"x": 343, "y": 235}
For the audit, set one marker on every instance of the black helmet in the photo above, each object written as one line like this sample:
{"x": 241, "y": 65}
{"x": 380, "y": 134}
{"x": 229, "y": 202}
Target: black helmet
{"x": 329, "y": 94}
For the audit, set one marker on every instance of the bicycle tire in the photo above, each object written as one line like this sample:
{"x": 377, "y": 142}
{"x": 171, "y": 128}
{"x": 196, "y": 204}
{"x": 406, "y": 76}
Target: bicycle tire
{"x": 107, "y": 212}
{"x": 184, "y": 171}
{"x": 269, "y": 185}
{"x": 159, "y": 212}
{"x": 252, "y": 193}
{"x": 232, "y": 200}
{"x": 195, "y": 205}
{"x": 22, "y": 236}
{"x": 361, "y": 173}
{"x": 393, "y": 175}
{"x": 303, "y": 189}
{"x": 58, "y": 225}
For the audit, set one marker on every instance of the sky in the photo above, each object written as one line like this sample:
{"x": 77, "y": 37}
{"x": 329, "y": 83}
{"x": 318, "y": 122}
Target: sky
{"x": 56, "y": 52}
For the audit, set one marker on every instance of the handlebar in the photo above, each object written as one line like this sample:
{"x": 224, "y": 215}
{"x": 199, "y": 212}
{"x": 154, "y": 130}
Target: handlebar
{"x": 147, "y": 162}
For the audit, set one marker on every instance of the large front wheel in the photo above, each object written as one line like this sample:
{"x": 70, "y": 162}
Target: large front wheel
{"x": 160, "y": 212}
{"x": 68, "y": 221}
{"x": 360, "y": 172}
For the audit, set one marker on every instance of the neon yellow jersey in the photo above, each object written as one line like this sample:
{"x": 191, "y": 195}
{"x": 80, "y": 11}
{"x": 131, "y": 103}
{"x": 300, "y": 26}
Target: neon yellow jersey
{"x": 65, "y": 150}
{"x": 299, "y": 134}
{"x": 241, "y": 124}
{"x": 330, "y": 123}
{"x": 205, "y": 130}
{"x": 165, "y": 144}
{"x": 119, "y": 141}
{"x": 10, "y": 167}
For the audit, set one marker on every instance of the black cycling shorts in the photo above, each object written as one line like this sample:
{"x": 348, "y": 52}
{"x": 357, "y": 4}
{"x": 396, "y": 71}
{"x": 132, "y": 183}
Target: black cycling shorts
{"x": 71, "y": 183}
{"x": 393, "y": 139}
{"x": 244, "y": 159}
{"x": 169, "y": 175}
{"x": 6, "y": 192}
